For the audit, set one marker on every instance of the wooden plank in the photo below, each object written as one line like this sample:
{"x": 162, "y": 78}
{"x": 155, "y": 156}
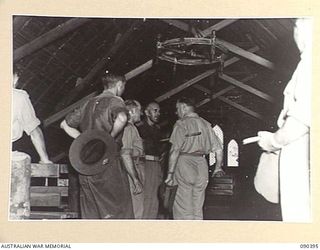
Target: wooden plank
{"x": 214, "y": 96}
{"x": 197, "y": 78}
{"x": 246, "y": 54}
{"x": 218, "y": 26}
{"x": 61, "y": 114}
{"x": 53, "y": 215}
{"x": 220, "y": 186}
{"x": 179, "y": 24}
{"x": 241, "y": 108}
{"x": 44, "y": 170}
{"x": 62, "y": 182}
{"x": 45, "y": 199}
{"x": 19, "y": 22}
{"x": 219, "y": 192}
{"x": 220, "y": 93}
{"x": 52, "y": 35}
{"x": 63, "y": 191}
{"x": 266, "y": 29}
{"x": 103, "y": 62}
{"x": 183, "y": 26}
{"x": 247, "y": 88}
{"x": 63, "y": 169}
{"x": 222, "y": 180}
{"x": 185, "y": 85}
{"x": 231, "y": 47}
{"x": 140, "y": 69}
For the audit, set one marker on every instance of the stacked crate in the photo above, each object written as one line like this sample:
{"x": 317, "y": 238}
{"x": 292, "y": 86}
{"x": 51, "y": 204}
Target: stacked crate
{"x": 49, "y": 192}
{"x": 221, "y": 185}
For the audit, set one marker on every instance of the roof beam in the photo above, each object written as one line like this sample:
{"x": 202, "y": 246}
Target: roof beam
{"x": 179, "y": 24}
{"x": 220, "y": 93}
{"x": 100, "y": 65}
{"x": 231, "y": 47}
{"x": 214, "y": 96}
{"x": 246, "y": 88}
{"x": 241, "y": 108}
{"x": 61, "y": 114}
{"x": 48, "y": 37}
{"x": 57, "y": 116}
{"x": 197, "y": 78}
{"x": 185, "y": 85}
{"x": 246, "y": 54}
{"x": 218, "y": 26}
{"x": 185, "y": 27}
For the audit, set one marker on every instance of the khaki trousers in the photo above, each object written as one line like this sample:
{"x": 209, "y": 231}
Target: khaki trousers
{"x": 191, "y": 175}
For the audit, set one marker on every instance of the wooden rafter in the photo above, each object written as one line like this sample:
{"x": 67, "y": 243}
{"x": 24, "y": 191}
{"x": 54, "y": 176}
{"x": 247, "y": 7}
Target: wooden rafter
{"x": 219, "y": 93}
{"x": 246, "y": 54}
{"x": 103, "y": 62}
{"x": 19, "y": 22}
{"x": 246, "y": 87}
{"x": 231, "y": 47}
{"x": 196, "y": 79}
{"x": 241, "y": 108}
{"x": 59, "y": 115}
{"x": 185, "y": 85}
{"x": 214, "y": 96}
{"x": 218, "y": 26}
{"x": 50, "y": 36}
{"x": 226, "y": 100}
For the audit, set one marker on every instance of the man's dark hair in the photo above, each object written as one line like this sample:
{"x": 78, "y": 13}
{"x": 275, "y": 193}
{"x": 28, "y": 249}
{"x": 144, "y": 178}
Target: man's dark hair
{"x": 110, "y": 80}
{"x": 188, "y": 101}
{"x": 153, "y": 102}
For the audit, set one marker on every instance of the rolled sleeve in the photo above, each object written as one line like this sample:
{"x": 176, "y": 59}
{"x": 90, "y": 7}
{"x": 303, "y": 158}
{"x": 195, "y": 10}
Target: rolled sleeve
{"x": 177, "y": 138}
{"x": 28, "y": 116}
{"x": 127, "y": 141}
{"x": 117, "y": 106}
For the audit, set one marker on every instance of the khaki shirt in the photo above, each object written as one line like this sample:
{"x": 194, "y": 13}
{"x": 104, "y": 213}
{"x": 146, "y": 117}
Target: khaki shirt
{"x": 183, "y": 140}
{"x": 131, "y": 141}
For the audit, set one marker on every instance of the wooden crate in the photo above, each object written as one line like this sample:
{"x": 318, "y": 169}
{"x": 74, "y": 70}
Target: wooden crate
{"x": 221, "y": 185}
{"x": 49, "y": 192}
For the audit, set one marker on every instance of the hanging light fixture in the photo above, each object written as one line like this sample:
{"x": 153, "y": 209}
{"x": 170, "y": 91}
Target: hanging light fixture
{"x": 192, "y": 51}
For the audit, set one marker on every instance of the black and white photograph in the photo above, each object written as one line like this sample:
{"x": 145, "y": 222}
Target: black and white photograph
{"x": 163, "y": 119}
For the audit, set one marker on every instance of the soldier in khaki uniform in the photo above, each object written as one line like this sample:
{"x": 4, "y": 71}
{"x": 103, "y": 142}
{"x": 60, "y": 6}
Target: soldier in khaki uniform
{"x": 132, "y": 155}
{"x": 105, "y": 195}
{"x": 192, "y": 138}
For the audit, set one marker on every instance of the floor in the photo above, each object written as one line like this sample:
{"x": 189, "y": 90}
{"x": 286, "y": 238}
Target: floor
{"x": 244, "y": 204}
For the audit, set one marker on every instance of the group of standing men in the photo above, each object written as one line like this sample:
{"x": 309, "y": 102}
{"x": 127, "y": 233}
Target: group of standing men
{"x": 129, "y": 188}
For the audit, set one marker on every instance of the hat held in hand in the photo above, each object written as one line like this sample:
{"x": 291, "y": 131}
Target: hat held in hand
{"x": 92, "y": 152}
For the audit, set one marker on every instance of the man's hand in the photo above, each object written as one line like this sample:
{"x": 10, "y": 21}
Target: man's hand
{"x": 169, "y": 181}
{"x": 218, "y": 172}
{"x": 45, "y": 161}
{"x": 267, "y": 142}
{"x": 138, "y": 188}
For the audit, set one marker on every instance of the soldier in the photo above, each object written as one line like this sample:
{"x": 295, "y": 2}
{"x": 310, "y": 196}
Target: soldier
{"x": 105, "y": 195}
{"x": 151, "y": 135}
{"x": 132, "y": 155}
{"x": 192, "y": 138}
